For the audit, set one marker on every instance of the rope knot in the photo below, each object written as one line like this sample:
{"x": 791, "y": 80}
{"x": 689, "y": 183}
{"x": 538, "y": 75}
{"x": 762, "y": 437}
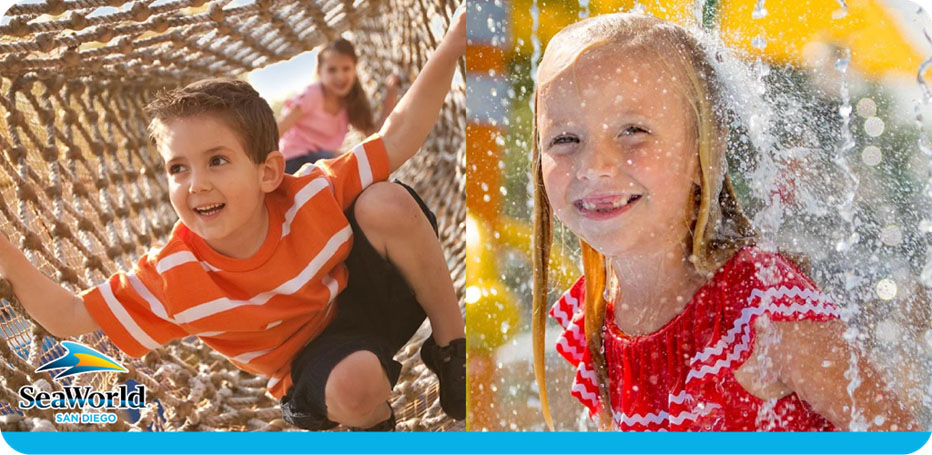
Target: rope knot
{"x": 67, "y": 275}
{"x": 31, "y": 241}
{"x": 77, "y": 21}
{"x": 158, "y": 24}
{"x": 55, "y": 7}
{"x": 139, "y": 12}
{"x": 124, "y": 45}
{"x": 50, "y": 154}
{"x": 54, "y": 192}
{"x": 16, "y": 27}
{"x": 45, "y": 41}
{"x": 16, "y": 153}
{"x": 6, "y": 290}
{"x": 26, "y": 193}
{"x": 93, "y": 263}
{"x": 15, "y": 118}
{"x": 103, "y": 34}
{"x": 215, "y": 12}
{"x": 70, "y": 57}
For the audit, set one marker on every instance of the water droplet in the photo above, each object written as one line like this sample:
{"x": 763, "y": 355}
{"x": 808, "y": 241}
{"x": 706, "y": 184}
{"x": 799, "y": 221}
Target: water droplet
{"x": 839, "y": 13}
{"x": 842, "y": 64}
{"x": 759, "y": 42}
{"x": 759, "y": 10}
{"x": 873, "y": 126}
{"x": 886, "y": 289}
{"x": 926, "y": 275}
{"x": 888, "y": 331}
{"x": 867, "y": 107}
{"x": 871, "y": 155}
{"x": 891, "y": 235}
{"x": 473, "y": 294}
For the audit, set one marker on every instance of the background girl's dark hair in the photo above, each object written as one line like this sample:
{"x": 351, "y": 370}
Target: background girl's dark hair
{"x": 357, "y": 101}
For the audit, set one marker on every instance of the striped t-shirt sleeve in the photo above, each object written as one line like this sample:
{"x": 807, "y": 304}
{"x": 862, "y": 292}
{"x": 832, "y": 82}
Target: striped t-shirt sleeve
{"x": 353, "y": 171}
{"x": 129, "y": 310}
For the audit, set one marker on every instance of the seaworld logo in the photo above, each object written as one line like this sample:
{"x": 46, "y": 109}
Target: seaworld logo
{"x": 82, "y": 359}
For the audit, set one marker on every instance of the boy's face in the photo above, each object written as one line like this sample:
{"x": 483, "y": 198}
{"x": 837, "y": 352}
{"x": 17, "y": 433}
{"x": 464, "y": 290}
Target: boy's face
{"x": 618, "y": 150}
{"x": 215, "y": 188}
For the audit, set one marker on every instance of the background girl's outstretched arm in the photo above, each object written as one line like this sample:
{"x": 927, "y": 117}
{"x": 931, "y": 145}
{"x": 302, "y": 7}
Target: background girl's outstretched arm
{"x": 407, "y": 126}
{"x": 52, "y": 306}
{"x": 288, "y": 120}
{"x": 814, "y": 360}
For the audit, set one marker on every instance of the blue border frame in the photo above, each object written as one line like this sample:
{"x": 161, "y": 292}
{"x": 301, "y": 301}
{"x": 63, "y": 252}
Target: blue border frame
{"x": 463, "y": 443}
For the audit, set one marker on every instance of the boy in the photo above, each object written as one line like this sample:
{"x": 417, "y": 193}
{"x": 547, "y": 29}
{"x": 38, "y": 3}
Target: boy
{"x": 257, "y": 264}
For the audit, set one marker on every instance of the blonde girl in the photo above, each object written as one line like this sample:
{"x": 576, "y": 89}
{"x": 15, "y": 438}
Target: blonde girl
{"x": 680, "y": 322}
{"x": 315, "y": 122}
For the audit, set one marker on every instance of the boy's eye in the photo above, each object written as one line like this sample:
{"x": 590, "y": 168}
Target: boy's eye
{"x": 175, "y": 168}
{"x": 631, "y": 130}
{"x": 218, "y": 160}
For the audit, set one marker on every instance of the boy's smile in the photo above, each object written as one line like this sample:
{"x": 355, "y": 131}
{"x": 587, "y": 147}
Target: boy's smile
{"x": 618, "y": 148}
{"x": 215, "y": 188}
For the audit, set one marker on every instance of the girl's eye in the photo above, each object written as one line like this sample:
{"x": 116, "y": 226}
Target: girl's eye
{"x": 175, "y": 168}
{"x": 563, "y": 139}
{"x": 218, "y": 160}
{"x": 631, "y": 130}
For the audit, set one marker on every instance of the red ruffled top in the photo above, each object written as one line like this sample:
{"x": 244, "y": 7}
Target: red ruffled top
{"x": 680, "y": 378}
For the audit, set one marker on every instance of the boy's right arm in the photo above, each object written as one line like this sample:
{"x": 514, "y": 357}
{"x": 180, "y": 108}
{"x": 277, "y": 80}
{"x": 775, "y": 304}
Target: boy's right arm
{"x": 56, "y": 309}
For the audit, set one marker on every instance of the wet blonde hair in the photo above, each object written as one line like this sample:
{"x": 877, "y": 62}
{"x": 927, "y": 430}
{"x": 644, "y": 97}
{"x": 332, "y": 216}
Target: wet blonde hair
{"x": 719, "y": 228}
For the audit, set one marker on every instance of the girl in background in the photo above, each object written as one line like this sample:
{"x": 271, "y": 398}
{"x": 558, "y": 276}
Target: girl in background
{"x": 315, "y": 122}
{"x": 680, "y": 322}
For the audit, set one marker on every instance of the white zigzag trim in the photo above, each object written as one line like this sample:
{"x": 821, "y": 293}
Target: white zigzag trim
{"x": 764, "y": 296}
{"x": 584, "y": 393}
{"x": 572, "y": 301}
{"x": 586, "y": 372}
{"x": 661, "y": 417}
{"x": 561, "y": 316}
{"x": 742, "y": 325}
{"x": 679, "y": 398}
{"x": 567, "y": 347}
{"x": 588, "y": 375}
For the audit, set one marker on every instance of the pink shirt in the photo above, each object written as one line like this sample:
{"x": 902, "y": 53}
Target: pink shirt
{"x": 316, "y": 129}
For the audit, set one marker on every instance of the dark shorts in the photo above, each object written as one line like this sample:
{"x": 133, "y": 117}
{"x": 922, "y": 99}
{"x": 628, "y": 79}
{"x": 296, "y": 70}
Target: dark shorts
{"x": 293, "y": 164}
{"x": 377, "y": 312}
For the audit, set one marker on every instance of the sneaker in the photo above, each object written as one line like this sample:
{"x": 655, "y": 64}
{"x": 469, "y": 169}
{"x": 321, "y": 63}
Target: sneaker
{"x": 449, "y": 364}
{"x": 386, "y": 425}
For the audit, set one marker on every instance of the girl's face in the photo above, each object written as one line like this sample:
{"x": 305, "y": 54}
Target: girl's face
{"x": 618, "y": 150}
{"x": 337, "y": 73}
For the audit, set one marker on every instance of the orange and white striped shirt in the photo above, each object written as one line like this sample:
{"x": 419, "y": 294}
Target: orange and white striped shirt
{"x": 260, "y": 311}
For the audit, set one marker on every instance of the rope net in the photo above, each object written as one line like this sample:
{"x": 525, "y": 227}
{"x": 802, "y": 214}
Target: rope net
{"x": 84, "y": 193}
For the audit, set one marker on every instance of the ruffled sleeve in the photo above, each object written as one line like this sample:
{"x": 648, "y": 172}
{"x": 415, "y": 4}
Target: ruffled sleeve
{"x": 571, "y": 344}
{"x": 753, "y": 284}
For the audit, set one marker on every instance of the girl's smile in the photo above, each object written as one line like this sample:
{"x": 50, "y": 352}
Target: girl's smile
{"x": 604, "y": 206}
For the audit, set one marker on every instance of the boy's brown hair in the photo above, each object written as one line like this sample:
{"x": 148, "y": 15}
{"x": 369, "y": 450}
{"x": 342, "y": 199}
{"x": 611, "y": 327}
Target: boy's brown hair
{"x": 233, "y": 101}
